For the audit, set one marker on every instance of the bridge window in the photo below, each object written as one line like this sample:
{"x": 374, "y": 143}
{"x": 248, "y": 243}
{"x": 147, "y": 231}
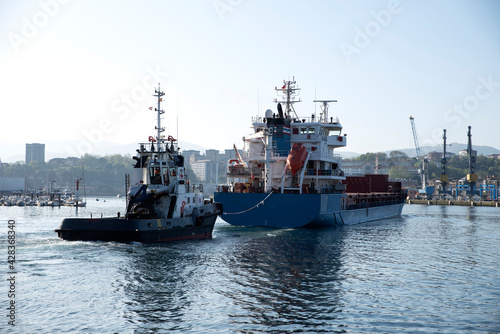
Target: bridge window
{"x": 306, "y": 131}
{"x": 154, "y": 175}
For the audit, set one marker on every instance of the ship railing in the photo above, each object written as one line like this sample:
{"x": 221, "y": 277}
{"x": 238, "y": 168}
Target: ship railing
{"x": 262, "y": 156}
{"x": 313, "y": 190}
{"x": 330, "y": 190}
{"x": 153, "y": 147}
{"x": 313, "y": 119}
{"x": 374, "y": 204}
{"x": 280, "y": 153}
{"x": 256, "y": 156}
{"x": 310, "y": 119}
{"x": 337, "y": 158}
{"x": 238, "y": 170}
{"x": 258, "y": 119}
{"x": 325, "y": 172}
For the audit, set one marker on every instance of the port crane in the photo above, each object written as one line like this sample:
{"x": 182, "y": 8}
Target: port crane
{"x": 444, "y": 175}
{"x": 422, "y": 161}
{"x": 471, "y": 176}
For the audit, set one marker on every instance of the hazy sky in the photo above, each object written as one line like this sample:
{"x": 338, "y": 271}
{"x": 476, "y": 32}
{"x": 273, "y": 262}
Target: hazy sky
{"x": 82, "y": 72}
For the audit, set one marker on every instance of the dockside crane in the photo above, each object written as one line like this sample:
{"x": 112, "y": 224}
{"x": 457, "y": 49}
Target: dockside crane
{"x": 471, "y": 176}
{"x": 444, "y": 175}
{"x": 422, "y": 161}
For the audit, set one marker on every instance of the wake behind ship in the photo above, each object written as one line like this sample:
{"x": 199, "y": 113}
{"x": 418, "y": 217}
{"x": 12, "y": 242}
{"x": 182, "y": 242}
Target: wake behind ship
{"x": 161, "y": 204}
{"x": 290, "y": 177}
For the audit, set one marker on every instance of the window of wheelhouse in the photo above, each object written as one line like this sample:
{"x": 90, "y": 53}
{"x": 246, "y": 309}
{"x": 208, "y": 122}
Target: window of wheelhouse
{"x": 155, "y": 175}
{"x": 307, "y": 131}
{"x": 166, "y": 180}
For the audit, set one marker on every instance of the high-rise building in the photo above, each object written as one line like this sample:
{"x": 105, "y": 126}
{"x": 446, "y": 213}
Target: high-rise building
{"x": 205, "y": 170}
{"x": 212, "y": 155}
{"x": 35, "y": 152}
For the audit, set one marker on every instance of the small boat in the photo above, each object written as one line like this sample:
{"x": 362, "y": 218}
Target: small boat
{"x": 161, "y": 205}
{"x": 290, "y": 177}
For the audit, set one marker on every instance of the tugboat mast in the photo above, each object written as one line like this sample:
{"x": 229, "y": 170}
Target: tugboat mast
{"x": 158, "y": 127}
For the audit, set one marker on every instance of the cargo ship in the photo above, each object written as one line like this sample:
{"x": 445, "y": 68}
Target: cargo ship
{"x": 289, "y": 175}
{"x": 162, "y": 206}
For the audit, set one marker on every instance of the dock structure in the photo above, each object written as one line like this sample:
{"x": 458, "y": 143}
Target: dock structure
{"x": 451, "y": 202}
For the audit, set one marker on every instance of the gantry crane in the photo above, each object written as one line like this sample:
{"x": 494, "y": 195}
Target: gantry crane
{"x": 422, "y": 161}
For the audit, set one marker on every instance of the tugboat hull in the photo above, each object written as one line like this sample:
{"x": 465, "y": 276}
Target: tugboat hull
{"x": 138, "y": 230}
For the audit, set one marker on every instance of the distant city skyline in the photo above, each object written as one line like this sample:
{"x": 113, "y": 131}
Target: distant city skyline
{"x": 82, "y": 73}
{"x": 129, "y": 149}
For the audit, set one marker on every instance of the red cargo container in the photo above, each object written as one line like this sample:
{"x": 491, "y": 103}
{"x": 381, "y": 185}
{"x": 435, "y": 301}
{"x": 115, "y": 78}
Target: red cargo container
{"x": 357, "y": 184}
{"x": 378, "y": 182}
{"x": 394, "y": 186}
{"x": 365, "y": 184}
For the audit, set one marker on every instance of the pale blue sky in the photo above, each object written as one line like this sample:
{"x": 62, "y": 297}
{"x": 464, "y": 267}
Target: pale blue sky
{"x": 77, "y": 70}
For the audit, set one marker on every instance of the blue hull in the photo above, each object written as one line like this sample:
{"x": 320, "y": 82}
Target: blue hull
{"x": 297, "y": 210}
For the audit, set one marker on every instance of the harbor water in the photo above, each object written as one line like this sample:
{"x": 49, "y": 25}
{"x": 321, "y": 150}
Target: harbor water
{"x": 436, "y": 269}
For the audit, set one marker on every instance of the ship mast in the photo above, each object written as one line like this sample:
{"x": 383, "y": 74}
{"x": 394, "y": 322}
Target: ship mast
{"x": 160, "y": 112}
{"x": 324, "y": 110}
{"x": 288, "y": 93}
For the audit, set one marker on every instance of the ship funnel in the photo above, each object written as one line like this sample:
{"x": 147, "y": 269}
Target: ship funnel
{"x": 280, "y": 111}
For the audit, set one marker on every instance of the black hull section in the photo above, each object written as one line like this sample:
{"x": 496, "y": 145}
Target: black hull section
{"x": 136, "y": 230}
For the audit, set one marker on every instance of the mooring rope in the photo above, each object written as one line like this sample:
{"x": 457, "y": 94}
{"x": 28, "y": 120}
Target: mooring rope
{"x": 253, "y": 207}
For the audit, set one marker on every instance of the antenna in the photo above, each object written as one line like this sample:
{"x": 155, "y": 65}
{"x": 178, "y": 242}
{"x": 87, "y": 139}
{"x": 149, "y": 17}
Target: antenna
{"x": 314, "y": 94}
{"x": 159, "y": 128}
{"x": 177, "y": 130}
{"x": 258, "y": 103}
{"x": 324, "y": 109}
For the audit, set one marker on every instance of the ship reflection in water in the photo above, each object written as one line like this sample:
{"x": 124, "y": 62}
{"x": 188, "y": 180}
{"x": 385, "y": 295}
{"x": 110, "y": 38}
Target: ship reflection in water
{"x": 259, "y": 280}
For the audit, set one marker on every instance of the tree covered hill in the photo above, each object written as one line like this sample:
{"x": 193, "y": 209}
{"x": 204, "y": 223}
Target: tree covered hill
{"x": 457, "y": 166}
{"x": 100, "y": 175}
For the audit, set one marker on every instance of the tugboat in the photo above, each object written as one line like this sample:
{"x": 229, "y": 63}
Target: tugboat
{"x": 290, "y": 176}
{"x": 161, "y": 204}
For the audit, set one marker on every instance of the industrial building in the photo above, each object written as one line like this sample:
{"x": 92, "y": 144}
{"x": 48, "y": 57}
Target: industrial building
{"x": 9, "y": 185}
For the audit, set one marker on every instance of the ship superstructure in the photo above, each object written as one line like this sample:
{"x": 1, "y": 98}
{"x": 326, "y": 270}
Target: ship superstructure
{"x": 291, "y": 176}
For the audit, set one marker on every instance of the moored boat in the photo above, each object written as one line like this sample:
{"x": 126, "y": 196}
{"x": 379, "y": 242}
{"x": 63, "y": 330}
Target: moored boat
{"x": 162, "y": 206}
{"x": 290, "y": 177}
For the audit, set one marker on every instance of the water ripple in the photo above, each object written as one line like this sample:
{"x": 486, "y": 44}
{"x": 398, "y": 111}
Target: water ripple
{"x": 433, "y": 270}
